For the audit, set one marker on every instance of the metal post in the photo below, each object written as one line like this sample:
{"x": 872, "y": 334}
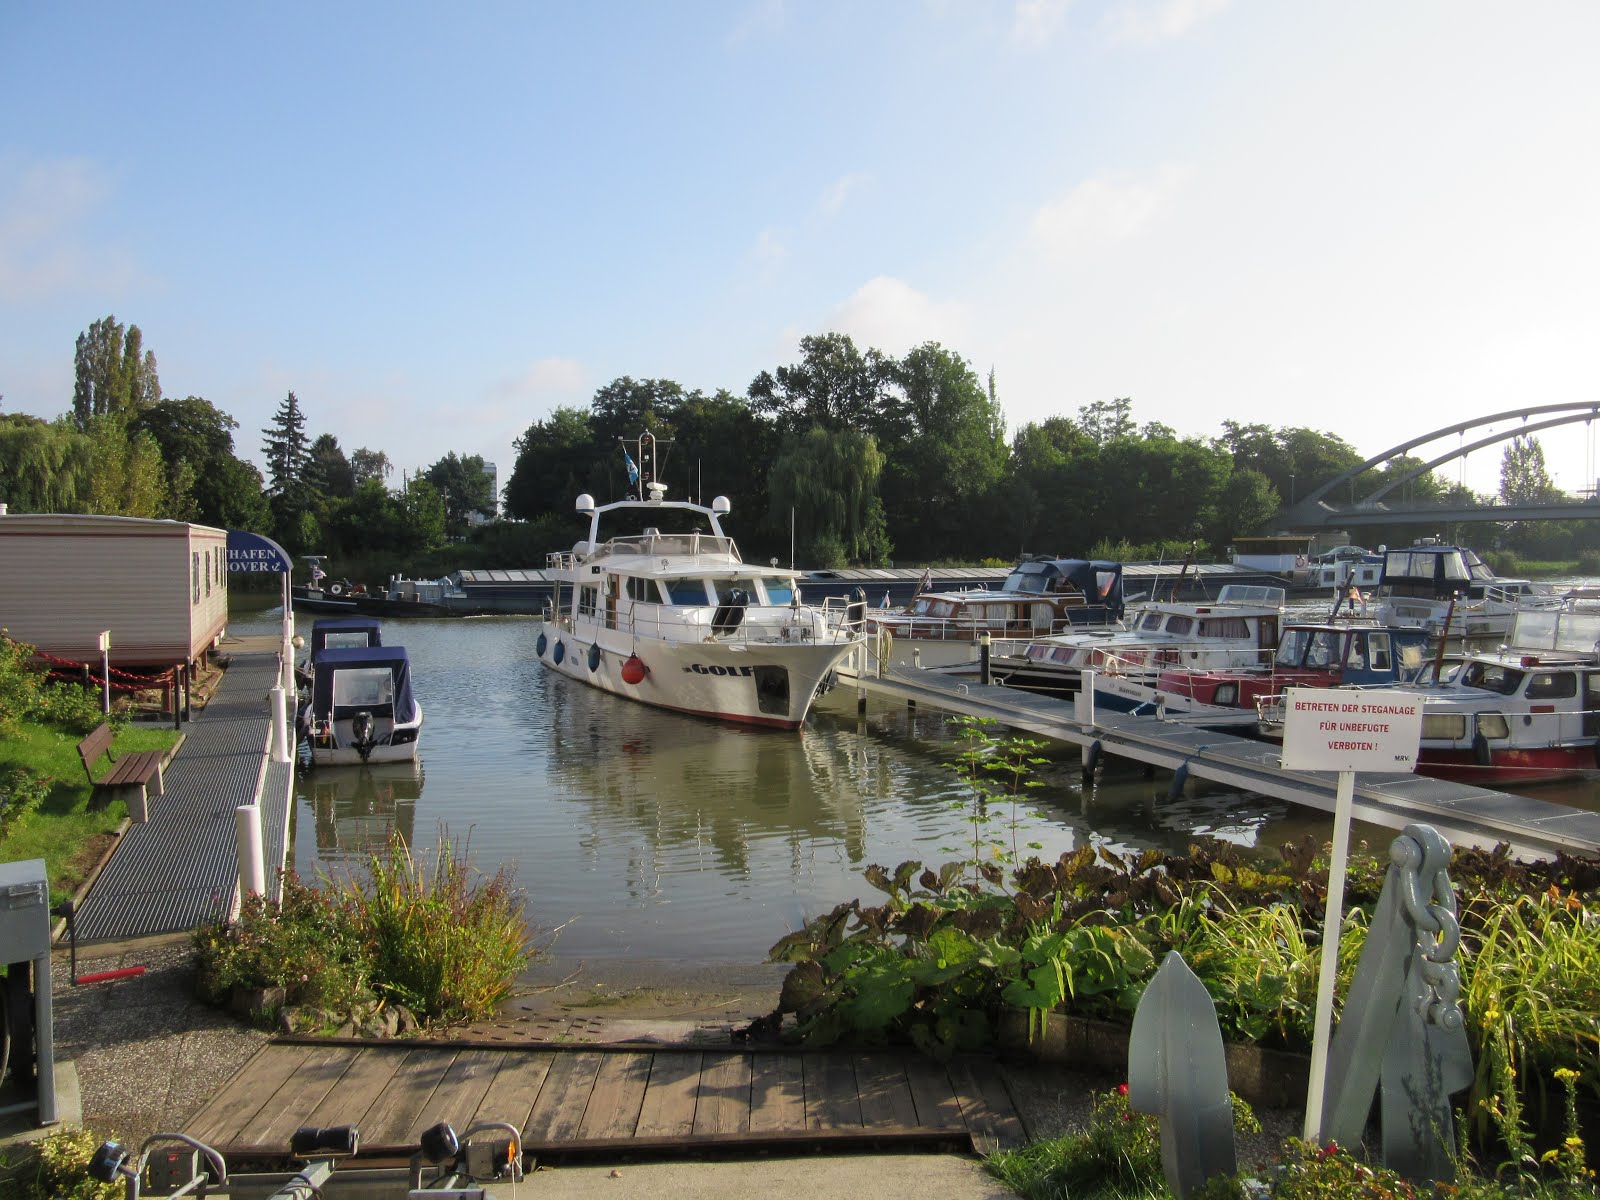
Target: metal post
{"x": 247, "y": 845}
{"x": 1084, "y": 701}
{"x": 105, "y": 672}
{"x": 177, "y": 708}
{"x": 1333, "y": 922}
{"x": 983, "y": 660}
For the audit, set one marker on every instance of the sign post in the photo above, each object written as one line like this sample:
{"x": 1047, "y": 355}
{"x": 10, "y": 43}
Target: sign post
{"x": 1343, "y": 730}
{"x": 105, "y": 671}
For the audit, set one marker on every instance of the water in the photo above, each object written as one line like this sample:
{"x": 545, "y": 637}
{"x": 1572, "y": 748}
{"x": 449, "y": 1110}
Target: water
{"x": 645, "y": 834}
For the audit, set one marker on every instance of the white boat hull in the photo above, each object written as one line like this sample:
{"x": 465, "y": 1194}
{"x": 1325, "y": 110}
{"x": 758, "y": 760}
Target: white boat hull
{"x": 770, "y": 683}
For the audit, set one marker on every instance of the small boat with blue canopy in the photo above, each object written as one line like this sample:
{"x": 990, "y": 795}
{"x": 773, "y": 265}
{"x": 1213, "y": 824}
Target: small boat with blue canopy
{"x": 362, "y": 709}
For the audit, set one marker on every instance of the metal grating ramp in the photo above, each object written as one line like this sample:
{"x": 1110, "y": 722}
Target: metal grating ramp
{"x": 178, "y": 870}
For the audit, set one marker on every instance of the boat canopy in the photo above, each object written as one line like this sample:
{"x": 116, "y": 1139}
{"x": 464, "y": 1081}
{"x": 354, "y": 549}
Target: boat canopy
{"x": 1098, "y": 580}
{"x": 375, "y": 678}
{"x": 340, "y": 632}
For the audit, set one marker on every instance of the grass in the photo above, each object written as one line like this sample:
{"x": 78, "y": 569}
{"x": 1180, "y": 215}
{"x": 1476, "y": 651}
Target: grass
{"x": 67, "y": 830}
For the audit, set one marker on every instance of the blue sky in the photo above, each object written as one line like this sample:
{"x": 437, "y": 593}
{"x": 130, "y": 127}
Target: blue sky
{"x": 437, "y": 223}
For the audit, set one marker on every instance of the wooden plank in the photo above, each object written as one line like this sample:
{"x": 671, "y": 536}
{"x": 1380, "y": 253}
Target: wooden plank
{"x": 669, "y": 1097}
{"x": 362, "y": 1084}
{"x": 831, "y": 1098}
{"x": 321, "y": 1072}
{"x": 933, "y": 1094}
{"x": 515, "y": 1087}
{"x": 1004, "y": 1121}
{"x": 223, "y": 1120}
{"x": 777, "y": 1094}
{"x": 459, "y": 1093}
{"x": 884, "y": 1092}
{"x": 619, "y": 1086}
{"x": 723, "y": 1103}
{"x": 389, "y": 1120}
{"x": 558, "y": 1112}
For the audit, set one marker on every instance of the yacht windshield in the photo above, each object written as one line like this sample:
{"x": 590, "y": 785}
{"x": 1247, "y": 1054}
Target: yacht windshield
{"x": 1492, "y": 677}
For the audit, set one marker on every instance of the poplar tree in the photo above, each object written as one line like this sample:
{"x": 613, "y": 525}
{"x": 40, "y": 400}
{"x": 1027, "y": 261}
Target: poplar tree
{"x": 113, "y": 374}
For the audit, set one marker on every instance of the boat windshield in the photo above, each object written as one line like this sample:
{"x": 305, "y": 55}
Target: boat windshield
{"x": 1492, "y": 677}
{"x": 778, "y": 589}
{"x": 686, "y": 593}
{"x": 363, "y": 688}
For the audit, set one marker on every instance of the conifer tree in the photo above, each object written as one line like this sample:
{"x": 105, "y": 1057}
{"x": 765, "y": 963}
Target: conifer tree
{"x": 287, "y": 449}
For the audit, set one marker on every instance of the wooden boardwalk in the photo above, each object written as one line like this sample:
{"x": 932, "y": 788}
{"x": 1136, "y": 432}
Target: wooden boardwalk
{"x": 592, "y": 1099}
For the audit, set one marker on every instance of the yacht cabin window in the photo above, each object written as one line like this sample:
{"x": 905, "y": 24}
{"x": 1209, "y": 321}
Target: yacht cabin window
{"x": 1180, "y": 625}
{"x": 1552, "y": 685}
{"x": 779, "y": 590}
{"x": 1151, "y": 621}
{"x": 1378, "y": 643}
{"x": 686, "y": 593}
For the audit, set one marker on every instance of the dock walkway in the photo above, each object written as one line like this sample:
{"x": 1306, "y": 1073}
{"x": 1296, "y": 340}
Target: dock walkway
{"x": 1466, "y": 815}
{"x": 588, "y": 1099}
{"x": 179, "y": 869}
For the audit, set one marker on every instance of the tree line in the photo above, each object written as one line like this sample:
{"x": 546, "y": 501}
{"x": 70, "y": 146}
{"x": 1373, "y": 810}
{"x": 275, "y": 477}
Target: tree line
{"x": 846, "y": 456}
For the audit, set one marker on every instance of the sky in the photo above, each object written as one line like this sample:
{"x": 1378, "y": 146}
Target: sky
{"x": 438, "y": 223}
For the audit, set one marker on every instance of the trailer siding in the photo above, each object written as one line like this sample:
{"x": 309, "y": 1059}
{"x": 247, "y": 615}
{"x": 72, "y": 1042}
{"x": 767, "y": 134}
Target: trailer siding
{"x": 160, "y": 587}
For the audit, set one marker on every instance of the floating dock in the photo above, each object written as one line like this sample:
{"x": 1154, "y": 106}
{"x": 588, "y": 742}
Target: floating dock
{"x": 1466, "y": 815}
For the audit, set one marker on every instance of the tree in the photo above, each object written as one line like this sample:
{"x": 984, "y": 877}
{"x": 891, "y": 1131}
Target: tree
{"x": 466, "y": 487}
{"x": 44, "y": 465}
{"x": 287, "y": 449}
{"x": 113, "y": 374}
{"x": 207, "y": 482}
{"x": 827, "y": 483}
{"x": 555, "y": 458}
{"x": 422, "y": 511}
{"x": 833, "y": 385}
{"x": 328, "y": 473}
{"x": 369, "y": 464}
{"x": 127, "y": 477}
{"x": 1107, "y": 421}
{"x": 1523, "y": 478}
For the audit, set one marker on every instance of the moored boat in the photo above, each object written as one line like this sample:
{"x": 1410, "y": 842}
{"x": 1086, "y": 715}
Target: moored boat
{"x": 657, "y": 605}
{"x": 361, "y": 708}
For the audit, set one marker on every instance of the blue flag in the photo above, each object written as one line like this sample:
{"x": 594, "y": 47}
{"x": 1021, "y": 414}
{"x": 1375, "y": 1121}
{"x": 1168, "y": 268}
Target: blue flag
{"x": 633, "y": 467}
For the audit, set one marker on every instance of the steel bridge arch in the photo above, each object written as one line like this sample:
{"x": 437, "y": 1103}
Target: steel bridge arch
{"x": 1583, "y": 410}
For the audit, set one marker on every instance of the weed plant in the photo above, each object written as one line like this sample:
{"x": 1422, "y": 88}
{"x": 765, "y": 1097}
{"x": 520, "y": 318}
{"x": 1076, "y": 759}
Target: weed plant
{"x": 439, "y": 939}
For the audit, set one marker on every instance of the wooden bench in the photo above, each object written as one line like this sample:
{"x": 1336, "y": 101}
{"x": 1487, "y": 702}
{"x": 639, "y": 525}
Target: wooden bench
{"x": 131, "y": 776}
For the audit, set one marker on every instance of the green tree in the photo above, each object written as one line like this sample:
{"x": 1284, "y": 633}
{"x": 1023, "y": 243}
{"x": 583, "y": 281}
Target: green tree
{"x": 287, "y": 449}
{"x": 44, "y": 465}
{"x": 369, "y": 464}
{"x": 827, "y": 482}
{"x": 465, "y": 485}
{"x": 127, "y": 477}
{"x": 1523, "y": 478}
{"x": 1247, "y": 502}
{"x": 207, "y": 481}
{"x": 328, "y": 473}
{"x": 1107, "y": 421}
{"x": 834, "y": 386}
{"x": 422, "y": 514}
{"x": 943, "y": 441}
{"x": 555, "y": 459}
{"x": 113, "y": 374}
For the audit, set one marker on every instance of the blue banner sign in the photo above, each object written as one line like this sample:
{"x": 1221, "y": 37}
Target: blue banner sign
{"x": 256, "y": 553}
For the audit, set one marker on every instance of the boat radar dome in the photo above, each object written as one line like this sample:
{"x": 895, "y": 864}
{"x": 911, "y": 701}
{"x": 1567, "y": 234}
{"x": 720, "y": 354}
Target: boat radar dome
{"x": 657, "y": 492}
{"x": 586, "y": 503}
{"x": 720, "y": 506}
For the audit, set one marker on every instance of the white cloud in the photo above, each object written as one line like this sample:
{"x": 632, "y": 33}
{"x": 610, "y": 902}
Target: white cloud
{"x": 838, "y": 192}
{"x": 1037, "y": 22}
{"x": 550, "y": 382}
{"x": 1101, "y": 212}
{"x": 41, "y": 249}
{"x": 1147, "y": 21}
{"x": 891, "y": 315}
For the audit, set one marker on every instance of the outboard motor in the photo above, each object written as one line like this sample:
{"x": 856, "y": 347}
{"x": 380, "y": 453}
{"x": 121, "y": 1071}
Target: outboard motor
{"x": 363, "y": 731}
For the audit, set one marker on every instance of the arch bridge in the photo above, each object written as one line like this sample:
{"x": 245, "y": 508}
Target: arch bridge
{"x": 1318, "y": 509}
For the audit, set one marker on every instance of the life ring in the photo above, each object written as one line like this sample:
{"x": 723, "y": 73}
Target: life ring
{"x": 1480, "y": 750}
{"x": 336, "y": 589}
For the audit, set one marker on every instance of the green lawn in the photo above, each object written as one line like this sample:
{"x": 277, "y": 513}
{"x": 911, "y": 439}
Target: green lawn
{"x": 65, "y": 831}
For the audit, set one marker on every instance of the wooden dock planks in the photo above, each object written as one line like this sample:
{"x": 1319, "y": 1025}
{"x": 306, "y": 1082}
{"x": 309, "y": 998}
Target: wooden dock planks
{"x": 568, "y": 1097}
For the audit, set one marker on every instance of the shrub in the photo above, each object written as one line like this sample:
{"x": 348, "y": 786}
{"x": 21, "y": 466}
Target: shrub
{"x": 75, "y": 708}
{"x": 63, "y": 1167}
{"x": 444, "y": 944}
{"x": 21, "y": 791}
{"x": 19, "y": 682}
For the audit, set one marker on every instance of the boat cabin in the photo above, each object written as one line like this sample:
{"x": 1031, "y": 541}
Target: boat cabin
{"x": 360, "y": 695}
{"x": 1041, "y": 596}
{"x": 342, "y": 633}
{"x": 1279, "y": 554}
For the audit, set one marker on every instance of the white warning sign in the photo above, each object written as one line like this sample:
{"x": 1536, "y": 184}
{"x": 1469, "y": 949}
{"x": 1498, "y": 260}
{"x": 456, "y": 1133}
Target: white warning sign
{"x": 1340, "y": 729}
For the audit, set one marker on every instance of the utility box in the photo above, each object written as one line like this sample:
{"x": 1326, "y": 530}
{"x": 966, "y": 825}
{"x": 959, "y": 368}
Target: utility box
{"x": 25, "y": 952}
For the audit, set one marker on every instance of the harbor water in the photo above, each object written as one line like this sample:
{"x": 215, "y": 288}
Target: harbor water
{"x": 638, "y": 833}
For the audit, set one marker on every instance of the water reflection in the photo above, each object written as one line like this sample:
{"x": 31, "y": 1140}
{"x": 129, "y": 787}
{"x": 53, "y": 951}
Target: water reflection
{"x": 358, "y": 809}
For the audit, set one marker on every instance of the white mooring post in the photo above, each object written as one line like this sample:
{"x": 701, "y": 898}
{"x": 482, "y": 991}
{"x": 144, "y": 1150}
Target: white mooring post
{"x": 247, "y": 844}
{"x": 1083, "y": 702}
{"x": 280, "y": 723}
